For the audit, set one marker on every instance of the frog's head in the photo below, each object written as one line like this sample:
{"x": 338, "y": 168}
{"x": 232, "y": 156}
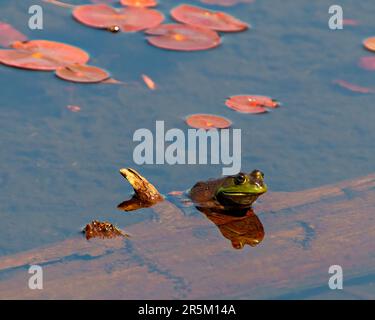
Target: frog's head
{"x": 241, "y": 190}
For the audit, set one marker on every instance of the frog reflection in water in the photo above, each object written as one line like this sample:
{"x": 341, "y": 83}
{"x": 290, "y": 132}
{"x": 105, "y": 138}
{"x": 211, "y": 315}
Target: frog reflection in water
{"x": 226, "y": 202}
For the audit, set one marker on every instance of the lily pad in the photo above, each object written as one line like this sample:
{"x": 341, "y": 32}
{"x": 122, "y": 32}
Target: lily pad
{"x": 353, "y": 87}
{"x": 207, "y": 121}
{"x": 367, "y": 63}
{"x": 82, "y": 73}
{"x": 201, "y": 17}
{"x": 251, "y": 103}
{"x": 369, "y": 43}
{"x": 183, "y": 37}
{"x": 42, "y": 55}
{"x": 129, "y": 19}
{"x": 8, "y": 35}
{"x": 139, "y": 3}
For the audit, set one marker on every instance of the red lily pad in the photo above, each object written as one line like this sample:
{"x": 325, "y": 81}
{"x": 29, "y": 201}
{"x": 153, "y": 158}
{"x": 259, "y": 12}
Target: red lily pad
{"x": 369, "y": 43}
{"x": 367, "y": 63}
{"x": 9, "y": 34}
{"x": 202, "y": 17}
{"x": 207, "y": 121}
{"x": 226, "y": 3}
{"x": 129, "y": 19}
{"x": 183, "y": 37}
{"x": 139, "y": 3}
{"x": 251, "y": 103}
{"x": 42, "y": 55}
{"x": 353, "y": 87}
{"x": 82, "y": 73}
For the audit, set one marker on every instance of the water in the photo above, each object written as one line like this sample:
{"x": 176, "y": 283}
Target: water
{"x": 59, "y": 170}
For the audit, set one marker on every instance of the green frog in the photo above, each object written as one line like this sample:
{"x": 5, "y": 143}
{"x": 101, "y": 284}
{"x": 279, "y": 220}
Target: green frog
{"x": 229, "y": 193}
{"x": 226, "y": 202}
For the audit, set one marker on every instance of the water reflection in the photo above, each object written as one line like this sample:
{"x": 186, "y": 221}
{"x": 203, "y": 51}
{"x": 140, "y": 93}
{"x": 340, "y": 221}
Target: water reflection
{"x": 241, "y": 227}
{"x": 241, "y": 230}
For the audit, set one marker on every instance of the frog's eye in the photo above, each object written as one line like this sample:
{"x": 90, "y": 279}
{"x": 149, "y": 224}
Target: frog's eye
{"x": 258, "y": 174}
{"x": 240, "y": 179}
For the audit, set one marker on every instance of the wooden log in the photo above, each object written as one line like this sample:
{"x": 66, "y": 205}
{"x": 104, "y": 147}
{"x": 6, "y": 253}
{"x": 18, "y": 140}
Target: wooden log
{"x": 187, "y": 257}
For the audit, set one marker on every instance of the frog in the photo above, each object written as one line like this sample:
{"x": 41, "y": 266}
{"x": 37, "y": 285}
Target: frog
{"x": 226, "y": 201}
{"x": 230, "y": 193}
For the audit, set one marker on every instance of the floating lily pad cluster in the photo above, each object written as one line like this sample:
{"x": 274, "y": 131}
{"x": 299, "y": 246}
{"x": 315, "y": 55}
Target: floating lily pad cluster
{"x": 196, "y": 29}
{"x": 68, "y": 62}
{"x": 253, "y": 104}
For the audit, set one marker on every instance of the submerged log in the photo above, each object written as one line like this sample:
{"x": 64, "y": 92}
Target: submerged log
{"x": 187, "y": 257}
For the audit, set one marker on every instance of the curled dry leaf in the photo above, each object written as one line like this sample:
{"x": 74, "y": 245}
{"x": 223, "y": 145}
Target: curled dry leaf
{"x": 42, "y": 55}
{"x": 183, "y": 37}
{"x": 103, "y": 230}
{"x": 207, "y": 121}
{"x": 226, "y": 3}
{"x": 129, "y": 19}
{"x": 8, "y": 35}
{"x": 82, "y": 73}
{"x": 251, "y": 103}
{"x": 201, "y": 17}
{"x": 139, "y": 3}
{"x": 369, "y": 43}
{"x": 149, "y": 82}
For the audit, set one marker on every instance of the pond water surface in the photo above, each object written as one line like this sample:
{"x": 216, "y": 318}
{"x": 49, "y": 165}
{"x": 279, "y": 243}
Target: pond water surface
{"x": 59, "y": 169}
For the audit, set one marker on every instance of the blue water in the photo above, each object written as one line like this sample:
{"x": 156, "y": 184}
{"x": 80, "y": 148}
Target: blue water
{"x": 59, "y": 170}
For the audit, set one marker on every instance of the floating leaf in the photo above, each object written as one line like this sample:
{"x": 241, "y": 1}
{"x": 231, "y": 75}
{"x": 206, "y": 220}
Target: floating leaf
{"x": 350, "y": 22}
{"x": 202, "y": 17}
{"x": 183, "y": 37}
{"x": 369, "y": 43}
{"x": 9, "y": 34}
{"x": 73, "y": 108}
{"x": 207, "y": 121}
{"x": 353, "y": 87}
{"x": 367, "y": 63}
{"x": 226, "y": 3}
{"x": 130, "y": 19}
{"x": 82, "y": 73}
{"x": 139, "y": 3}
{"x": 60, "y": 3}
{"x": 42, "y": 55}
{"x": 251, "y": 103}
{"x": 149, "y": 82}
